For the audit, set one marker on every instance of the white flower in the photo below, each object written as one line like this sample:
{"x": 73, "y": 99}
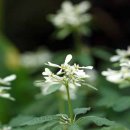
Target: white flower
{"x": 4, "y": 86}
{"x": 113, "y": 76}
{"x": 35, "y": 59}
{"x": 121, "y": 75}
{"x": 71, "y": 75}
{"x": 7, "y": 80}
{"x": 71, "y": 15}
{"x": 121, "y": 55}
{"x": 117, "y": 76}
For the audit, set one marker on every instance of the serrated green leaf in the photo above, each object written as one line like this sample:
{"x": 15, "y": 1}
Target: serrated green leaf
{"x": 74, "y": 127}
{"x": 39, "y": 120}
{"x": 78, "y": 111}
{"x": 19, "y": 120}
{"x": 53, "y": 88}
{"x": 99, "y": 121}
{"x": 122, "y": 104}
{"x": 58, "y": 127}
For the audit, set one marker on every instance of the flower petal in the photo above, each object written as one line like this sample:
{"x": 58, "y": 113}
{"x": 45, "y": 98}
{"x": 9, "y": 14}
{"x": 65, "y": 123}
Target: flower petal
{"x": 10, "y": 78}
{"x": 68, "y": 59}
{"x": 53, "y": 65}
{"x": 87, "y": 67}
{"x": 46, "y": 72}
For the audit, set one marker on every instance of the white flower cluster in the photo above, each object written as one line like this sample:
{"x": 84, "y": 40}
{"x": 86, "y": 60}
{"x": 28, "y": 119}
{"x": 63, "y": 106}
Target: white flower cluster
{"x": 68, "y": 75}
{"x": 122, "y": 75}
{"x": 122, "y": 56}
{"x": 71, "y": 16}
{"x": 35, "y": 59}
{"x": 4, "y": 86}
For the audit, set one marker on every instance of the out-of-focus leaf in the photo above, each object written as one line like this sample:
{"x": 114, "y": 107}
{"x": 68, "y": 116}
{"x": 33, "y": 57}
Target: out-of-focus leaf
{"x": 85, "y": 58}
{"x": 39, "y": 120}
{"x": 102, "y": 53}
{"x": 74, "y": 127}
{"x": 61, "y": 34}
{"x": 118, "y": 127}
{"x": 58, "y": 127}
{"x": 122, "y": 104}
{"x": 99, "y": 121}
{"x": 53, "y": 88}
{"x": 19, "y": 120}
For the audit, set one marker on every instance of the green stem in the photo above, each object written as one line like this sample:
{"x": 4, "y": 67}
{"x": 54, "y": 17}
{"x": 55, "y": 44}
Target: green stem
{"x": 77, "y": 42}
{"x": 69, "y": 104}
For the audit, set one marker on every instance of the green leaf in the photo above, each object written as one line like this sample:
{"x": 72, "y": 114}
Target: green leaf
{"x": 85, "y": 58}
{"x": 90, "y": 86}
{"x": 74, "y": 127}
{"x": 19, "y": 120}
{"x": 58, "y": 127}
{"x": 53, "y": 88}
{"x": 102, "y": 53}
{"x": 115, "y": 128}
{"x": 122, "y": 104}
{"x": 48, "y": 125}
{"x": 78, "y": 111}
{"x": 39, "y": 120}
{"x": 61, "y": 34}
{"x": 99, "y": 121}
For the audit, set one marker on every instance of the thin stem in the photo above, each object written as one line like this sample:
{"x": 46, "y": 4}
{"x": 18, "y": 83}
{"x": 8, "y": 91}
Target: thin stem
{"x": 69, "y": 104}
{"x": 77, "y": 42}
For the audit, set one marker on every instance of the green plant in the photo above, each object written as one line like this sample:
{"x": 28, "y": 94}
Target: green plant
{"x": 68, "y": 77}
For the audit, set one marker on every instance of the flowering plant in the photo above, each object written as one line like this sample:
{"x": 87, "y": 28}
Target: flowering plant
{"x": 120, "y": 76}
{"x": 71, "y": 18}
{"x": 67, "y": 77}
{"x": 72, "y": 76}
{"x": 4, "y": 86}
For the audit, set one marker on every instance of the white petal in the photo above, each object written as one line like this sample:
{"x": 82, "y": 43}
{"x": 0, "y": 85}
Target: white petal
{"x": 114, "y": 58}
{"x": 59, "y": 72}
{"x": 117, "y": 78}
{"x": 6, "y": 95}
{"x": 10, "y": 78}
{"x": 83, "y": 7}
{"x": 53, "y": 65}
{"x": 4, "y": 88}
{"x": 68, "y": 59}
{"x": 46, "y": 72}
{"x": 87, "y": 67}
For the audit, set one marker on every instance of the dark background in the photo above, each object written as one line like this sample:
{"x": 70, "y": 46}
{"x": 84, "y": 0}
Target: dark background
{"x": 26, "y": 25}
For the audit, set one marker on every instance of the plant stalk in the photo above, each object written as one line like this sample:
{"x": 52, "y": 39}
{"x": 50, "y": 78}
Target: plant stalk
{"x": 69, "y": 104}
{"x": 77, "y": 42}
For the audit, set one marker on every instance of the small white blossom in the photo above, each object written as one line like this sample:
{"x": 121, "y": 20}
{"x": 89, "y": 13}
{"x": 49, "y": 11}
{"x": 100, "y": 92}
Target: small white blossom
{"x": 35, "y": 59}
{"x": 71, "y": 16}
{"x": 120, "y": 76}
{"x": 122, "y": 55}
{"x": 4, "y": 86}
{"x": 117, "y": 76}
{"x": 71, "y": 75}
